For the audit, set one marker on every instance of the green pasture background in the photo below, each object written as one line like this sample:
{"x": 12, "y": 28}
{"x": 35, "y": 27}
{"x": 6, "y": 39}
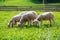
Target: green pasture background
{"x": 25, "y": 2}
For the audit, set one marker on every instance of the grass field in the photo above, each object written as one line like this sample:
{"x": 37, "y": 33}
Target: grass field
{"x": 22, "y": 3}
{"x": 28, "y": 33}
{"x": 18, "y": 3}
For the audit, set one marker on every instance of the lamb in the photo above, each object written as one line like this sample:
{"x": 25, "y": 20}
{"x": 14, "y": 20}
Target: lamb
{"x": 15, "y": 19}
{"x": 28, "y": 17}
{"x": 45, "y": 16}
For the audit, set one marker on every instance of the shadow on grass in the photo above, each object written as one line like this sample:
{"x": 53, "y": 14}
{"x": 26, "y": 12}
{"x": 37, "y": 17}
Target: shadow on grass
{"x": 28, "y": 26}
{"x": 34, "y": 26}
{"x": 47, "y": 25}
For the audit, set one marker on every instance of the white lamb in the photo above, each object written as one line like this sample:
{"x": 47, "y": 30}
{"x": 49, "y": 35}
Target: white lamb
{"x": 15, "y": 19}
{"x": 45, "y": 16}
{"x": 28, "y": 17}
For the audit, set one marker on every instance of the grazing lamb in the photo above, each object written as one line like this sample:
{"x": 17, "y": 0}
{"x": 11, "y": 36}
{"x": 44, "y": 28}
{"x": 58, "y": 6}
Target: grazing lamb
{"x": 15, "y": 19}
{"x": 28, "y": 17}
{"x": 45, "y": 16}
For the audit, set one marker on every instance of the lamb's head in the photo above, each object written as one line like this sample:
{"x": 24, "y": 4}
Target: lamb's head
{"x": 35, "y": 22}
{"x": 20, "y": 24}
{"x": 8, "y": 24}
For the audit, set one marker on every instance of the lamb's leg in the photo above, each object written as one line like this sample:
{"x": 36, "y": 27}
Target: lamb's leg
{"x": 50, "y": 21}
{"x": 29, "y": 23}
{"x": 22, "y": 24}
{"x": 13, "y": 23}
{"x": 40, "y": 24}
{"x": 53, "y": 20}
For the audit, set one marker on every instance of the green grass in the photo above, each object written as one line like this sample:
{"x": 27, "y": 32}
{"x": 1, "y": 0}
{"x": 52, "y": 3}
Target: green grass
{"x": 28, "y": 33}
{"x": 21, "y": 3}
{"x": 18, "y": 3}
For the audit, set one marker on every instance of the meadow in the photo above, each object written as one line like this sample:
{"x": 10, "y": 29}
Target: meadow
{"x": 17, "y": 3}
{"x": 28, "y": 33}
{"x": 23, "y": 3}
